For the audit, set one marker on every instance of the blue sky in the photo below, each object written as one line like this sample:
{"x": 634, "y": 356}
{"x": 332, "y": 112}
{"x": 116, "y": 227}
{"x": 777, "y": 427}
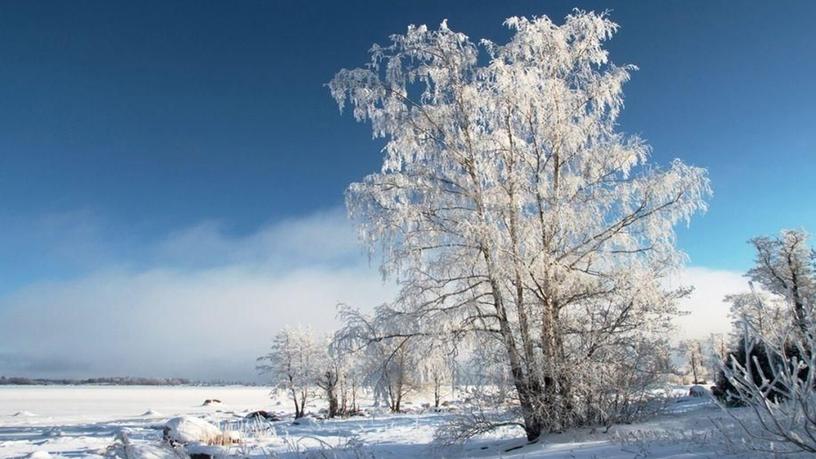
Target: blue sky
{"x": 126, "y": 128}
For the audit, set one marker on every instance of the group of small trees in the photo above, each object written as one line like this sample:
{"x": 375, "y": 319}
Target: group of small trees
{"x": 771, "y": 365}
{"x": 300, "y": 362}
{"x": 361, "y": 355}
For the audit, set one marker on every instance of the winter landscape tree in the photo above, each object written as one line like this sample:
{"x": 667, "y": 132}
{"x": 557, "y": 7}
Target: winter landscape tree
{"x": 508, "y": 205}
{"x": 295, "y": 363}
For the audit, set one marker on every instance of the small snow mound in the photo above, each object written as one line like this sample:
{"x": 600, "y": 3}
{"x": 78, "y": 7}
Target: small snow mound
{"x": 40, "y": 455}
{"x": 26, "y": 414}
{"x": 188, "y": 429}
{"x": 698, "y": 391}
{"x": 151, "y": 413}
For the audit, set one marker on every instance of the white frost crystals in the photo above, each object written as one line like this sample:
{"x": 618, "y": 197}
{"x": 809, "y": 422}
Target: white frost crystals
{"x": 511, "y": 209}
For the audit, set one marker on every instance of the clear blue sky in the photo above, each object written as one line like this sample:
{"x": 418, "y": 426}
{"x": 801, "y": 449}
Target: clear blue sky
{"x": 142, "y": 118}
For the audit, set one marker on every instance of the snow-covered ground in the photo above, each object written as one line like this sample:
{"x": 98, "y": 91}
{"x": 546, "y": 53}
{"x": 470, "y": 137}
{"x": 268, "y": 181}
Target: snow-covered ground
{"x": 84, "y": 421}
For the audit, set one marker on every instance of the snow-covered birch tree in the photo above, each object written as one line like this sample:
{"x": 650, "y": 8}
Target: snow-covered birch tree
{"x": 786, "y": 266}
{"x": 508, "y": 203}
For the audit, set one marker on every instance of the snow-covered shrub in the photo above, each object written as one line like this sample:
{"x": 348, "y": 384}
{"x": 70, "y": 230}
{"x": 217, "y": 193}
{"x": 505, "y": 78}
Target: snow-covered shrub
{"x": 618, "y": 385}
{"x": 782, "y": 395}
{"x": 473, "y": 422}
{"x": 751, "y": 353}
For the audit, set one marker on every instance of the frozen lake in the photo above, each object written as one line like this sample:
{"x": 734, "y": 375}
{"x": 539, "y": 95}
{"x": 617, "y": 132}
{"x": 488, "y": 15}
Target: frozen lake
{"x": 70, "y": 405}
{"x": 83, "y": 421}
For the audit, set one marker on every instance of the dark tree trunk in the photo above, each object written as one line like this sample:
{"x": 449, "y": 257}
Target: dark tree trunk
{"x": 298, "y": 410}
{"x": 329, "y": 383}
{"x": 533, "y": 424}
{"x": 332, "y": 405}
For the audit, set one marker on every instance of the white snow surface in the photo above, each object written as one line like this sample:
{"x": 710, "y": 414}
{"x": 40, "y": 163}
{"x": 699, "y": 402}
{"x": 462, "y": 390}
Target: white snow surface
{"x": 190, "y": 429}
{"x": 88, "y": 421}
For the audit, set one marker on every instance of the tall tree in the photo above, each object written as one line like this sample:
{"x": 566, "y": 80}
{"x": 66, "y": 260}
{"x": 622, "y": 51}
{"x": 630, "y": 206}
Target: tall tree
{"x": 508, "y": 204}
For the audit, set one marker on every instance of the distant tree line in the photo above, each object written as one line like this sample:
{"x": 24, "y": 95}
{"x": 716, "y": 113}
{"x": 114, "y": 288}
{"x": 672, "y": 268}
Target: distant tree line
{"x": 108, "y": 381}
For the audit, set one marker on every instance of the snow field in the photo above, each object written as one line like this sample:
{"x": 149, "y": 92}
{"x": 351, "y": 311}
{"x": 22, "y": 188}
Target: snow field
{"x": 58, "y": 421}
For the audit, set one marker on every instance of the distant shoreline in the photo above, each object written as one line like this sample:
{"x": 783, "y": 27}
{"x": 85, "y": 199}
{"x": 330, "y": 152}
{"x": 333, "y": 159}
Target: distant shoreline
{"x": 116, "y": 381}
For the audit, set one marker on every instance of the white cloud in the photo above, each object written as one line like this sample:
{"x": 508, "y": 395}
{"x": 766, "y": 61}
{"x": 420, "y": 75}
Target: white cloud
{"x": 707, "y": 312}
{"x": 176, "y": 320}
{"x": 321, "y": 237}
{"x": 205, "y": 303}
